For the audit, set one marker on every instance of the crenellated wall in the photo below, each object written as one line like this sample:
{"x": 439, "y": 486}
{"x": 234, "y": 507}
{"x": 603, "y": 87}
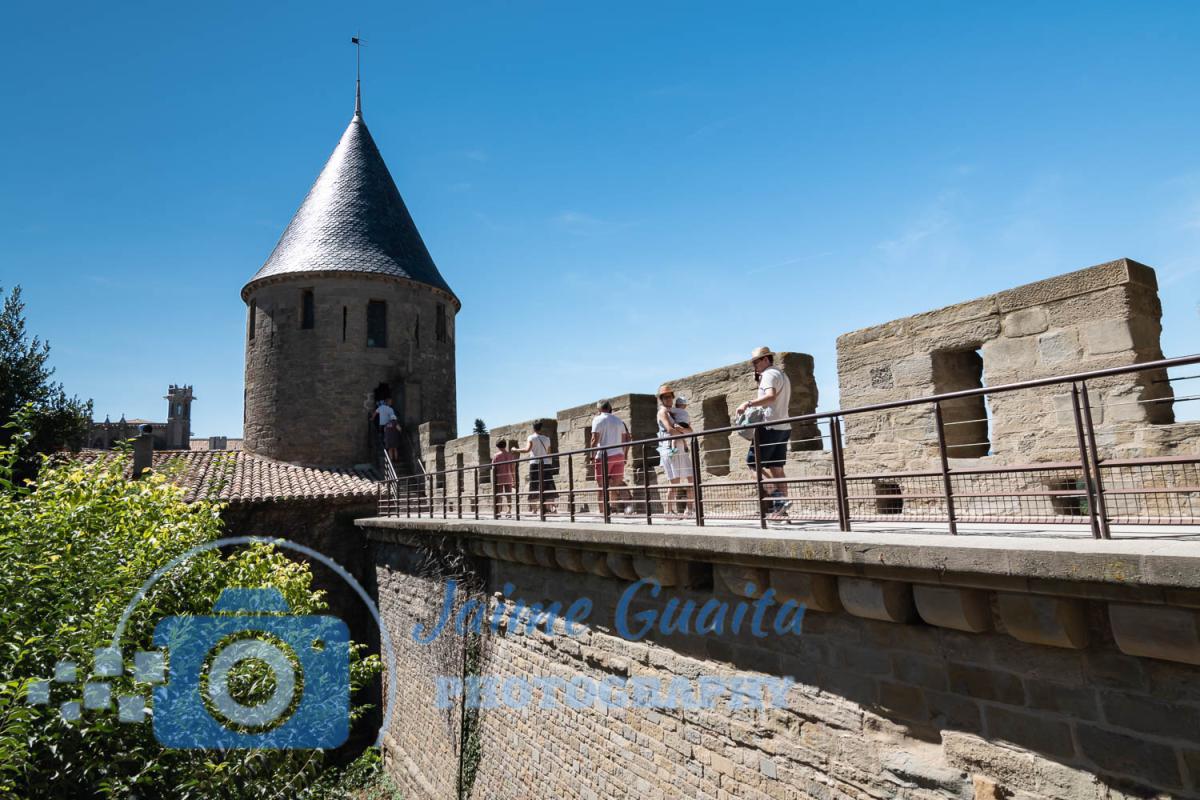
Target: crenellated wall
{"x": 926, "y": 667}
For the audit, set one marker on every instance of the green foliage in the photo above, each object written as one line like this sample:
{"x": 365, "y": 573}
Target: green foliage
{"x": 480, "y": 427}
{"x": 54, "y": 420}
{"x": 74, "y": 548}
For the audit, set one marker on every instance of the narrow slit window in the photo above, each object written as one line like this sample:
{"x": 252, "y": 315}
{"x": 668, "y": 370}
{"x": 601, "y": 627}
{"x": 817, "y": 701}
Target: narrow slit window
{"x": 376, "y": 323}
{"x": 307, "y": 310}
{"x": 440, "y": 330}
{"x": 345, "y": 315}
{"x": 253, "y": 319}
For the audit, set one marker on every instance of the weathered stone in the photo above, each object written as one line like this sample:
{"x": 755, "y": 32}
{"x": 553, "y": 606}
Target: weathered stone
{"x": 742, "y": 581}
{"x": 1108, "y": 336}
{"x": 569, "y": 559}
{"x": 814, "y": 591}
{"x": 1172, "y": 634}
{"x": 596, "y": 562}
{"x": 890, "y": 601}
{"x": 1058, "y": 348}
{"x": 959, "y": 609}
{"x": 621, "y": 565}
{"x": 1052, "y": 621}
{"x": 1026, "y": 322}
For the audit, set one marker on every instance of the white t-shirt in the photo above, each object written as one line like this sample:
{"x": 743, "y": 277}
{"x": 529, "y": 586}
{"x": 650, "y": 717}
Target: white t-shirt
{"x": 609, "y": 429}
{"x": 386, "y": 414}
{"x": 540, "y": 446}
{"x": 774, "y": 378}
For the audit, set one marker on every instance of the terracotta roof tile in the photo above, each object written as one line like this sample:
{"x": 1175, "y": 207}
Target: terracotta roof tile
{"x": 236, "y": 476}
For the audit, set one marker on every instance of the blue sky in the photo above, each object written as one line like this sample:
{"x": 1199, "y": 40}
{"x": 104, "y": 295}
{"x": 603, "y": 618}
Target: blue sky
{"x": 619, "y": 192}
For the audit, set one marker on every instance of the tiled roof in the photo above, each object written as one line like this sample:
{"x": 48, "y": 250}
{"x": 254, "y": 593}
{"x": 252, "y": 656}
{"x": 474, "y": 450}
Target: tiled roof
{"x": 241, "y": 477}
{"x": 353, "y": 220}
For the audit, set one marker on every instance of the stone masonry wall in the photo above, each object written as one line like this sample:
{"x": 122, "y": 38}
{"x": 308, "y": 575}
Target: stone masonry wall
{"x": 919, "y": 685}
{"x": 309, "y": 391}
{"x": 1095, "y": 318}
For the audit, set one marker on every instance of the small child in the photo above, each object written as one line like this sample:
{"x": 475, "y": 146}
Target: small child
{"x": 679, "y": 414}
{"x": 504, "y": 475}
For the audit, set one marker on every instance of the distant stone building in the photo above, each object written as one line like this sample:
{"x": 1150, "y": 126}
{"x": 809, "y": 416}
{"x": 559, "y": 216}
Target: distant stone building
{"x": 174, "y": 434}
{"x": 348, "y": 308}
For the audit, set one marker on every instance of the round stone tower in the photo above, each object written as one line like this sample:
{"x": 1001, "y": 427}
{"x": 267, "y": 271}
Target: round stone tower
{"x": 348, "y": 308}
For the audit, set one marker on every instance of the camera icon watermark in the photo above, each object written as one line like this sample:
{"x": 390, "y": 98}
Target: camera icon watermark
{"x": 253, "y": 676}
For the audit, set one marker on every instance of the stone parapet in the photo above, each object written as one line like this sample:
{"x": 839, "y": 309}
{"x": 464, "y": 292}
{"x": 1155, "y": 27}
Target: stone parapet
{"x": 1024, "y": 668}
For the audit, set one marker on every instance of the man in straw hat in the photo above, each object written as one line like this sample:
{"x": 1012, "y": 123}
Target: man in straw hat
{"x": 774, "y": 396}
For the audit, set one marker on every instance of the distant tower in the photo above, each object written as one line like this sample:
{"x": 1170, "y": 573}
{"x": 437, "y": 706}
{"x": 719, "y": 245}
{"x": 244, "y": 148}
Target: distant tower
{"x": 179, "y": 417}
{"x": 348, "y": 307}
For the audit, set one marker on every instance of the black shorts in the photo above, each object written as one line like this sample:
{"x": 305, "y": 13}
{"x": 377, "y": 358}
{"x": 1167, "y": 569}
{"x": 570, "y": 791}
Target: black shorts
{"x": 774, "y": 447}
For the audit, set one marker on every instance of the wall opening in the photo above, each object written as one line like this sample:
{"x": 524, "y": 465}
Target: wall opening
{"x": 714, "y": 447}
{"x": 345, "y": 315}
{"x": 307, "y": 309}
{"x": 1068, "y": 505}
{"x": 440, "y": 327}
{"x": 376, "y": 323}
{"x": 253, "y": 321}
{"x": 888, "y": 505}
{"x": 966, "y": 419}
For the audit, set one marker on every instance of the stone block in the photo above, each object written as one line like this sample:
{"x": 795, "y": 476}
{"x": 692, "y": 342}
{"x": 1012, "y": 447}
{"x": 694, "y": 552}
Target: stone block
{"x": 959, "y": 609}
{"x": 1009, "y": 356}
{"x": 621, "y": 565}
{"x": 1107, "y": 336}
{"x": 742, "y": 581}
{"x": 1171, "y": 634}
{"x": 1033, "y": 732}
{"x": 1059, "y": 348}
{"x": 505, "y": 551}
{"x": 1025, "y": 322}
{"x": 569, "y": 559}
{"x": 491, "y": 549}
{"x": 889, "y": 601}
{"x": 914, "y": 371}
{"x": 1129, "y": 756}
{"x": 814, "y": 591}
{"x": 523, "y": 553}
{"x": 544, "y": 556}
{"x": 1051, "y": 621}
{"x": 982, "y": 683}
{"x": 596, "y": 562}
{"x": 666, "y": 571}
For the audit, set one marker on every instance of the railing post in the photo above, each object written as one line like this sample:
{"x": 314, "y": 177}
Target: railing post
{"x": 697, "y": 482}
{"x": 445, "y": 495}
{"x": 1084, "y": 464}
{"x": 495, "y": 495}
{"x": 571, "y": 487}
{"x": 758, "y": 478}
{"x": 458, "y": 488}
{"x": 604, "y": 486}
{"x": 475, "y": 494}
{"x": 839, "y": 473}
{"x": 1097, "y": 479}
{"x": 516, "y": 497}
{"x": 947, "y": 486}
{"x": 408, "y": 495}
{"x": 646, "y": 485}
{"x": 541, "y": 471}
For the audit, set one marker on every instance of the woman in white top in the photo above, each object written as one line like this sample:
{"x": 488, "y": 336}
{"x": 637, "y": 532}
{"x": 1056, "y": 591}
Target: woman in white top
{"x": 673, "y": 454}
{"x": 541, "y": 479}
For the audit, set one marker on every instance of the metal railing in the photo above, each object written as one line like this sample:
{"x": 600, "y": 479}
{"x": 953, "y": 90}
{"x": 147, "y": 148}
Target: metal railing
{"x": 1098, "y": 452}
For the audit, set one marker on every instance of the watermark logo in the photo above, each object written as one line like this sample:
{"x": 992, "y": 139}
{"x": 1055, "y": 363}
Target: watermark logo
{"x": 249, "y": 676}
{"x": 295, "y": 669}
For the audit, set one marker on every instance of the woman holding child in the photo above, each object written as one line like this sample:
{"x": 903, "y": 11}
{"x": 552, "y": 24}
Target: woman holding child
{"x": 676, "y": 460}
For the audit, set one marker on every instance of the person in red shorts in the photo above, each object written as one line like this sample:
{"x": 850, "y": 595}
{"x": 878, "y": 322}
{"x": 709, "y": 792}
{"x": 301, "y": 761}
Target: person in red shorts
{"x": 503, "y": 474}
{"x": 612, "y": 434}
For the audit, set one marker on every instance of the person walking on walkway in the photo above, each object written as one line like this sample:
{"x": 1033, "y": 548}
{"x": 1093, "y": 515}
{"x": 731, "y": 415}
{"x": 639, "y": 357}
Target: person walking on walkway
{"x": 502, "y": 475}
{"x": 774, "y": 396}
{"x": 612, "y": 434}
{"x": 541, "y": 480}
{"x": 674, "y": 454}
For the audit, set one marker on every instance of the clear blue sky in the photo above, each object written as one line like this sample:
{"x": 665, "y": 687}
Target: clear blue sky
{"x": 619, "y": 192}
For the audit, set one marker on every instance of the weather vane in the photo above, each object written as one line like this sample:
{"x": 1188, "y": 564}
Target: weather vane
{"x": 358, "y": 46}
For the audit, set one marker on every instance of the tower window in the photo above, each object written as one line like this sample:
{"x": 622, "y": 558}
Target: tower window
{"x": 376, "y": 323}
{"x": 417, "y": 331}
{"x": 307, "y": 309}
{"x": 440, "y": 330}
{"x": 345, "y": 314}
{"x": 966, "y": 419}
{"x": 253, "y": 319}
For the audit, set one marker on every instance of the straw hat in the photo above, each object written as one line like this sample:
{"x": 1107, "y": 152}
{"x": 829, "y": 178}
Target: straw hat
{"x": 664, "y": 389}
{"x": 759, "y": 352}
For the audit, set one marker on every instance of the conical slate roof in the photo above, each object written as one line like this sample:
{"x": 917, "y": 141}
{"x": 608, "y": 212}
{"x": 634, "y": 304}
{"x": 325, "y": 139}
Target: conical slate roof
{"x": 353, "y": 220}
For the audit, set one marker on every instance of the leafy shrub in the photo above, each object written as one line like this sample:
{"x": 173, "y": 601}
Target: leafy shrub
{"x": 74, "y": 548}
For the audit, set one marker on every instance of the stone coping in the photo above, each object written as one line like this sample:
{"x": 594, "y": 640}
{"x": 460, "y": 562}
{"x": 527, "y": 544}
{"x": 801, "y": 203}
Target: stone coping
{"x": 1145, "y": 570}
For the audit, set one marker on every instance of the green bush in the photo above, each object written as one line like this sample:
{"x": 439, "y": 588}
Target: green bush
{"x": 74, "y": 548}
